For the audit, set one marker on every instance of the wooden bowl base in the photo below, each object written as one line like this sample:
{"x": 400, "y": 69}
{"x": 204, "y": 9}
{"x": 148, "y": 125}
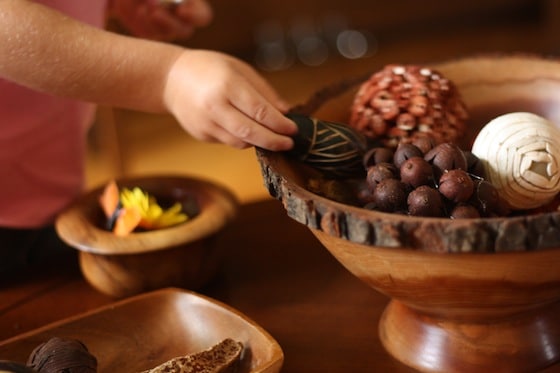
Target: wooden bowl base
{"x": 190, "y": 266}
{"x": 522, "y": 342}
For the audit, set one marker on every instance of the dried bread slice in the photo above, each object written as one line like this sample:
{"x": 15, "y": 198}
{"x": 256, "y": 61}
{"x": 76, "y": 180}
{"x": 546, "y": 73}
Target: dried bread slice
{"x": 223, "y": 357}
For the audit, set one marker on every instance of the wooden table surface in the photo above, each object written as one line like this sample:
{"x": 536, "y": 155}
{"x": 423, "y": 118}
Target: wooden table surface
{"x": 275, "y": 271}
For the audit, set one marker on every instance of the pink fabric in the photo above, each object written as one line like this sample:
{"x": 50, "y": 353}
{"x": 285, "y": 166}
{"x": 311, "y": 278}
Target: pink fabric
{"x": 42, "y": 142}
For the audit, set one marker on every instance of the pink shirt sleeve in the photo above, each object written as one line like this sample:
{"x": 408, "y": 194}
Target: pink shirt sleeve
{"x": 42, "y": 141}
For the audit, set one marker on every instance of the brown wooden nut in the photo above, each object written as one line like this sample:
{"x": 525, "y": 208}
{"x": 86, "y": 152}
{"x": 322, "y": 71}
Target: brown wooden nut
{"x": 377, "y": 155}
{"x": 7, "y": 366}
{"x": 379, "y": 172}
{"x": 446, "y": 156}
{"x": 456, "y": 185}
{"x": 425, "y": 201}
{"x": 416, "y": 171}
{"x": 405, "y": 151}
{"x": 390, "y": 196}
{"x": 464, "y": 211}
{"x": 62, "y": 355}
{"x": 487, "y": 200}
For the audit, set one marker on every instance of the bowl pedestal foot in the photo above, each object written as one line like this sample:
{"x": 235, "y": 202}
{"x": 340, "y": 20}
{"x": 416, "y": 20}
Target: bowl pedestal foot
{"x": 524, "y": 341}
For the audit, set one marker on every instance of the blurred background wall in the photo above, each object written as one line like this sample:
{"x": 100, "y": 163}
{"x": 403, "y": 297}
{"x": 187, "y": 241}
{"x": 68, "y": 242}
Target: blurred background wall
{"x": 242, "y": 26}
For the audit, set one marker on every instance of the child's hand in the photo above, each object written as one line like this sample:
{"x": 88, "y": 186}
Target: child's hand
{"x": 218, "y": 98}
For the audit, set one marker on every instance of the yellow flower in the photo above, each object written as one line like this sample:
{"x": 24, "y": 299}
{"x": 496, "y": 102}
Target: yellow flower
{"x": 153, "y": 216}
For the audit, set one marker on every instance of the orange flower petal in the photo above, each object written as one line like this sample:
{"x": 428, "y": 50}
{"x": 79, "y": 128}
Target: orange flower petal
{"x": 109, "y": 199}
{"x": 127, "y": 221}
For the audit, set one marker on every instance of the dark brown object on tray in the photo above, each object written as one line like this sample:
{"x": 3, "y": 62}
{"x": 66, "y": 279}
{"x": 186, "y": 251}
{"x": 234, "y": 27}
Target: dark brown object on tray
{"x": 14, "y": 367}
{"x": 59, "y": 355}
{"x": 223, "y": 357}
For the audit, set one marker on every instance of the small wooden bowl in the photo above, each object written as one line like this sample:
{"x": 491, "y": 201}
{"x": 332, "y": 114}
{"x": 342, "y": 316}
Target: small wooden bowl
{"x": 468, "y": 295}
{"x": 185, "y": 255}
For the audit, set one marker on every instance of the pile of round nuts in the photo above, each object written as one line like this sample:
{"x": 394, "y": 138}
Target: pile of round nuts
{"x": 443, "y": 181}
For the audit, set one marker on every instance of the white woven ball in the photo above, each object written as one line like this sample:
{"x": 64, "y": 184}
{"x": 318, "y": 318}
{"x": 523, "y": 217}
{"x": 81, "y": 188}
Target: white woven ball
{"x": 521, "y": 156}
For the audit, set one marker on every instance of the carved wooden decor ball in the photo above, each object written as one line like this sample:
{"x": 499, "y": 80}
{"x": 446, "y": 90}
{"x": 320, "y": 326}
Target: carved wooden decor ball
{"x": 335, "y": 149}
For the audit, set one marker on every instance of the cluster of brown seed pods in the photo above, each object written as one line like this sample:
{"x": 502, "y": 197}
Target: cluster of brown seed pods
{"x": 400, "y": 103}
{"x": 440, "y": 181}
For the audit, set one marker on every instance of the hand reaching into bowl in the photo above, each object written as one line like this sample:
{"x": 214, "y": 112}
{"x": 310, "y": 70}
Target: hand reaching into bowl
{"x": 214, "y": 96}
{"x": 218, "y": 98}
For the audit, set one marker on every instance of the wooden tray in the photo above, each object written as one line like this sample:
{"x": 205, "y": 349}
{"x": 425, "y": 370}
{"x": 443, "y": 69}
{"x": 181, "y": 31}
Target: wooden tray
{"x": 143, "y": 331}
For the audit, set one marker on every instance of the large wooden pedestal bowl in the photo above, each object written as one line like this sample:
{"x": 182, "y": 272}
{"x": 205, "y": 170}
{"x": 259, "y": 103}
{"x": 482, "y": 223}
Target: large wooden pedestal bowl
{"x": 467, "y": 295}
{"x": 185, "y": 255}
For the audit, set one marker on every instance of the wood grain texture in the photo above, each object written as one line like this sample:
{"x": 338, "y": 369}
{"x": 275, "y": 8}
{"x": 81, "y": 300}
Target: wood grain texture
{"x": 144, "y": 331}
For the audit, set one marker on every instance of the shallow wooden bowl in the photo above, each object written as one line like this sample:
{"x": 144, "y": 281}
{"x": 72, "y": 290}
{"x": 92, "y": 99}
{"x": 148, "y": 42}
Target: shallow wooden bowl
{"x": 467, "y": 295}
{"x": 143, "y": 331}
{"x": 185, "y": 255}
